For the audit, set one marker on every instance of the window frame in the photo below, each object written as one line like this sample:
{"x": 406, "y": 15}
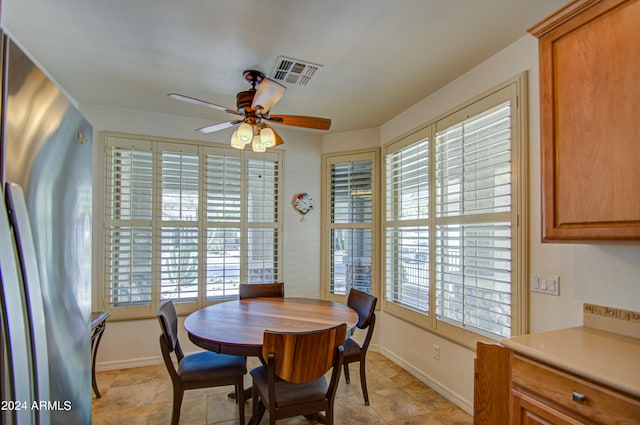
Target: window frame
{"x": 516, "y": 89}
{"x": 328, "y": 160}
{"x": 202, "y": 148}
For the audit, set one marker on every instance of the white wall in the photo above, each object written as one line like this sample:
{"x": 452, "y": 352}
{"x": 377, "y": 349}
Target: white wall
{"x": 135, "y": 342}
{"x": 351, "y": 140}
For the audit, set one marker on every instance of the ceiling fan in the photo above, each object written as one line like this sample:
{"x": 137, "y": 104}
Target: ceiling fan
{"x": 253, "y": 112}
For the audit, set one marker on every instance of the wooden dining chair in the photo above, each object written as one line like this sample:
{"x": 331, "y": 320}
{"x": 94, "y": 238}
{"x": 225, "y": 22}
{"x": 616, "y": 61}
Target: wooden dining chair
{"x": 257, "y": 290}
{"x": 365, "y": 305}
{"x": 199, "y": 370}
{"x": 293, "y": 381}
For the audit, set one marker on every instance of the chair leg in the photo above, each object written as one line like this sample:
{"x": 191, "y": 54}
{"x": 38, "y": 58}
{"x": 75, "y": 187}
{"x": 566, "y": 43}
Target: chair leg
{"x": 240, "y": 400}
{"x": 328, "y": 419}
{"x": 177, "y": 403}
{"x": 346, "y": 373}
{"x": 257, "y": 410}
{"x": 272, "y": 415}
{"x": 363, "y": 381}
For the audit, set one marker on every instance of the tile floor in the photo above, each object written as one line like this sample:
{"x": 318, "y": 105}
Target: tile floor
{"x": 143, "y": 396}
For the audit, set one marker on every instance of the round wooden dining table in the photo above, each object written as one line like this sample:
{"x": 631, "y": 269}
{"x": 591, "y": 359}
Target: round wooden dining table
{"x": 237, "y": 327}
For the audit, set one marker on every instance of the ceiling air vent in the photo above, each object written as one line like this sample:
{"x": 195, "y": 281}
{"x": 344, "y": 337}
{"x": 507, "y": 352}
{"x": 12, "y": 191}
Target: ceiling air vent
{"x": 294, "y": 71}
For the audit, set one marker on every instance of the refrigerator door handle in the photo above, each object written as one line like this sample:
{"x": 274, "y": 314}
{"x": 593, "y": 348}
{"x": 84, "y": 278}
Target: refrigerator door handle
{"x": 19, "y": 219}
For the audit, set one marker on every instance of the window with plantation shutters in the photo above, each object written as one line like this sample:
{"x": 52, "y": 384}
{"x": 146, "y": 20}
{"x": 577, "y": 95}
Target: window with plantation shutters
{"x": 187, "y": 222}
{"x": 454, "y": 244}
{"x": 350, "y": 216}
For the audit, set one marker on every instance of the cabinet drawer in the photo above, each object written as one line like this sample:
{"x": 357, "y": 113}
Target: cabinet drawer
{"x": 568, "y": 393}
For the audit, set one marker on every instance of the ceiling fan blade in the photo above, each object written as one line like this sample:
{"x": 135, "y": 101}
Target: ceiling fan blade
{"x": 300, "y": 121}
{"x": 268, "y": 94}
{"x": 279, "y": 140}
{"x": 202, "y": 103}
{"x": 218, "y": 127}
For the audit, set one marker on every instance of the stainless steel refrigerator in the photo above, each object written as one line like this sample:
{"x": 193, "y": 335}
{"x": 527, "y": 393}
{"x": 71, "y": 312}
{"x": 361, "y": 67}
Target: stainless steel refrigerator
{"x": 45, "y": 243}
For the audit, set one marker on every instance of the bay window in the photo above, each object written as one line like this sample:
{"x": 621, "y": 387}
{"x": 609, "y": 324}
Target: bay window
{"x": 187, "y": 222}
{"x": 454, "y": 225}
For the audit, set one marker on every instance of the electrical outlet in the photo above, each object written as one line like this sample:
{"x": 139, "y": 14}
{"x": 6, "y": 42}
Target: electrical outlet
{"x": 436, "y": 352}
{"x": 545, "y": 284}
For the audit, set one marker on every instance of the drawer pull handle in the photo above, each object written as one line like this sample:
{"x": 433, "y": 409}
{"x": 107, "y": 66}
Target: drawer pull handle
{"x": 578, "y": 398}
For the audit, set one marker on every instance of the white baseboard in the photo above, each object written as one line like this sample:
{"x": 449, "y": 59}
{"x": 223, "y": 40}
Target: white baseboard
{"x": 128, "y": 364}
{"x": 444, "y": 391}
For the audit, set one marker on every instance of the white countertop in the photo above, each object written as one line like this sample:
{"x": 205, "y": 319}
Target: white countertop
{"x": 600, "y": 356}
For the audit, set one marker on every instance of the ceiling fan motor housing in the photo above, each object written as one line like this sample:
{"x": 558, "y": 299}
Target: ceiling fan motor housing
{"x": 244, "y": 99}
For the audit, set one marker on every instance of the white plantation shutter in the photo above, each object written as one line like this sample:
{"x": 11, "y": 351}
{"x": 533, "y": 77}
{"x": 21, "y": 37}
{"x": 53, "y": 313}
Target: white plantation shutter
{"x": 473, "y": 263}
{"x": 351, "y": 184}
{"x": 187, "y": 222}
{"x": 473, "y": 234}
{"x": 128, "y": 229}
{"x": 262, "y": 182}
{"x": 179, "y": 196}
{"x": 473, "y": 162}
{"x": 224, "y": 205}
{"x": 223, "y": 187}
{"x": 407, "y": 222}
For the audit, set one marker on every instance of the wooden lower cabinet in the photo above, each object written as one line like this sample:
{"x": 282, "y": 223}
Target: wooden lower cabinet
{"x": 529, "y": 411}
{"x": 539, "y": 394}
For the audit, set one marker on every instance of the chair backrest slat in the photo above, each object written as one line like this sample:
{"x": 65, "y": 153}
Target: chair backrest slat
{"x": 302, "y": 357}
{"x": 258, "y": 290}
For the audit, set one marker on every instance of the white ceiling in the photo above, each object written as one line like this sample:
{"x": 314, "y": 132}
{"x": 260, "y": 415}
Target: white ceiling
{"x": 379, "y": 56}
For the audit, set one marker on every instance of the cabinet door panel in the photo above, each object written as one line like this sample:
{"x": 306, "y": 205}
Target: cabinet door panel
{"x": 590, "y": 131}
{"x": 530, "y": 411}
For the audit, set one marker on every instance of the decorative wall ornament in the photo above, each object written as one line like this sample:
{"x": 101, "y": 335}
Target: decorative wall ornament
{"x": 303, "y": 203}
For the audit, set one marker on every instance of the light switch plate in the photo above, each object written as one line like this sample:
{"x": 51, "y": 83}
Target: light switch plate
{"x": 545, "y": 284}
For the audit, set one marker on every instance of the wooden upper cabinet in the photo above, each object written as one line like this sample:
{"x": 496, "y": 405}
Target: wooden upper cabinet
{"x": 590, "y": 121}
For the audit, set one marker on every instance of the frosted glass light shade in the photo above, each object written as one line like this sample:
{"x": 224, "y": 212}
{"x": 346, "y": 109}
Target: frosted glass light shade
{"x": 236, "y": 142}
{"x": 257, "y": 144}
{"x": 245, "y": 132}
{"x": 268, "y": 137}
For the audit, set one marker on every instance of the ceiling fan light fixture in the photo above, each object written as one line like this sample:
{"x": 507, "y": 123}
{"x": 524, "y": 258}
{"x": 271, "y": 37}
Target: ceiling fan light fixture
{"x": 268, "y": 137}
{"x": 236, "y": 142}
{"x": 245, "y": 132}
{"x": 257, "y": 145}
